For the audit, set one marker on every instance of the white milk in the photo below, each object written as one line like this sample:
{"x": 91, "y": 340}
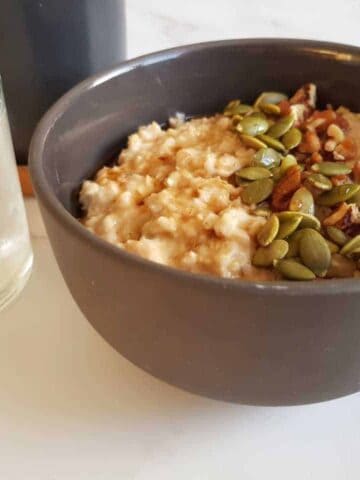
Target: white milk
{"x": 15, "y": 248}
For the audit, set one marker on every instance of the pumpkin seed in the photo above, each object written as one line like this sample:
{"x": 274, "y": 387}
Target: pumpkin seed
{"x": 259, "y": 115}
{"x": 320, "y": 181}
{"x": 287, "y": 227}
{"x": 253, "y": 173}
{"x": 230, "y": 107}
{"x": 252, "y": 142}
{"x": 265, "y": 256}
{"x": 269, "y": 231}
{"x": 337, "y": 235}
{"x": 267, "y": 157}
{"x": 293, "y": 270}
{"x": 270, "y": 108}
{"x": 332, "y": 246}
{"x": 253, "y": 125}
{"x": 235, "y": 107}
{"x": 331, "y": 168}
{"x": 314, "y": 251}
{"x": 236, "y": 119}
{"x": 262, "y": 212}
{"x": 257, "y": 191}
{"x": 356, "y": 198}
{"x": 272, "y": 142}
{"x": 309, "y": 221}
{"x": 270, "y": 97}
{"x": 351, "y": 246}
{"x": 287, "y": 215}
{"x": 338, "y": 194}
{"x": 281, "y": 126}
{"x": 276, "y": 173}
{"x": 302, "y": 201}
{"x": 240, "y": 182}
{"x": 243, "y": 109}
{"x": 293, "y": 242}
{"x": 340, "y": 267}
{"x": 287, "y": 162}
{"x": 292, "y": 138}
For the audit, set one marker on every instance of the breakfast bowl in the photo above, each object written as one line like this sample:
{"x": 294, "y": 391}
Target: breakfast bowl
{"x": 255, "y": 342}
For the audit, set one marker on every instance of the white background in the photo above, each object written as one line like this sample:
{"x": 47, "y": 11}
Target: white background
{"x": 72, "y": 408}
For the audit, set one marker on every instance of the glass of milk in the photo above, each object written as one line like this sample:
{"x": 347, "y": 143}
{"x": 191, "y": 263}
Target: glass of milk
{"x": 15, "y": 249}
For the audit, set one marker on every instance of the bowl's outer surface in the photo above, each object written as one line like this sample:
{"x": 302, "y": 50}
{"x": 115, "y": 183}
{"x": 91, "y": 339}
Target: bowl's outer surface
{"x": 278, "y": 343}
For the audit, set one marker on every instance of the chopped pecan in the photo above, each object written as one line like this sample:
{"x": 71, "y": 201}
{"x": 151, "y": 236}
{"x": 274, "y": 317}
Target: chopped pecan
{"x": 340, "y": 180}
{"x": 284, "y": 107}
{"x": 342, "y": 122}
{"x": 335, "y": 133}
{"x": 356, "y": 171}
{"x": 299, "y": 112}
{"x": 303, "y": 103}
{"x": 285, "y": 188}
{"x": 300, "y": 157}
{"x": 330, "y": 145}
{"x": 320, "y": 120}
{"x": 305, "y": 95}
{"x": 350, "y": 223}
{"x": 310, "y": 143}
{"x": 316, "y": 157}
{"x": 346, "y": 150}
{"x": 337, "y": 215}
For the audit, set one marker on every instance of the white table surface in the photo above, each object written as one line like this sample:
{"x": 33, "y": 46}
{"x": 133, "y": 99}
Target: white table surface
{"x": 72, "y": 408}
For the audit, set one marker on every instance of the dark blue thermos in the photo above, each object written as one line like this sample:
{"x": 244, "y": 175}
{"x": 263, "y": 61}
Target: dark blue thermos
{"x": 46, "y": 47}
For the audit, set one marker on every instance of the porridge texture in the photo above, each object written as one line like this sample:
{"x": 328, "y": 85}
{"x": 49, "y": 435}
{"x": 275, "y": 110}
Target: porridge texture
{"x": 260, "y": 192}
{"x": 169, "y": 199}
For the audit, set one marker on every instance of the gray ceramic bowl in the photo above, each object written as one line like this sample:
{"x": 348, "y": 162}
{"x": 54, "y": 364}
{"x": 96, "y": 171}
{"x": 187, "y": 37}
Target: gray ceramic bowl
{"x": 255, "y": 343}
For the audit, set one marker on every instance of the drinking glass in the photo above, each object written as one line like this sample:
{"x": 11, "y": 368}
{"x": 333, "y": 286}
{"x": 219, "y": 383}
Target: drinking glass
{"x": 15, "y": 249}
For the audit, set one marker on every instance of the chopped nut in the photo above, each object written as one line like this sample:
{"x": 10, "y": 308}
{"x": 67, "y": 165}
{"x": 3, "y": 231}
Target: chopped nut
{"x": 356, "y": 171}
{"x": 299, "y": 113}
{"x": 316, "y": 157}
{"x": 284, "y": 107}
{"x": 305, "y": 95}
{"x": 355, "y": 213}
{"x": 310, "y": 144}
{"x": 314, "y": 124}
{"x": 350, "y": 222}
{"x": 336, "y": 216}
{"x": 335, "y": 132}
{"x": 346, "y": 149}
{"x": 284, "y": 189}
{"x": 330, "y": 145}
{"x": 342, "y": 122}
{"x": 338, "y": 156}
{"x": 340, "y": 180}
{"x": 320, "y": 120}
{"x": 303, "y": 103}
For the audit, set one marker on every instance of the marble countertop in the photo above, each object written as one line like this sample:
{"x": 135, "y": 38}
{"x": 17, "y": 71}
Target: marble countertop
{"x": 162, "y": 24}
{"x": 72, "y": 408}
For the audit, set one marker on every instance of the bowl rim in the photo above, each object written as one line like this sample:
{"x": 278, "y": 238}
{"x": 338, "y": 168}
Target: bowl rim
{"x": 339, "y": 52}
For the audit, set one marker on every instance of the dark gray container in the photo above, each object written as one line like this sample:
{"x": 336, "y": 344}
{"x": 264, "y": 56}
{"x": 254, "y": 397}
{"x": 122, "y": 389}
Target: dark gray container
{"x": 46, "y": 47}
{"x": 269, "y": 343}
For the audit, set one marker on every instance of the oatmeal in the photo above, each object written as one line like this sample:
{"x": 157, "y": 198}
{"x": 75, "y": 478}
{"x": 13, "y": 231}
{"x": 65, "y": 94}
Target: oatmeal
{"x": 199, "y": 195}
